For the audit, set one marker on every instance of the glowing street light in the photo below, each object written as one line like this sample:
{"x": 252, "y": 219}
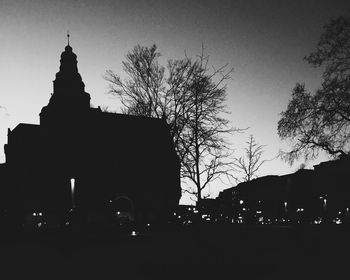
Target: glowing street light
{"x": 285, "y": 207}
{"x": 72, "y": 186}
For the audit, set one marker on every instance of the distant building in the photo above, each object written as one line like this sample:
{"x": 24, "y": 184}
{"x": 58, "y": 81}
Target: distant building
{"x": 117, "y": 163}
{"x": 208, "y": 211}
{"x": 306, "y": 196}
{"x": 185, "y": 215}
{"x": 332, "y": 179}
{"x": 5, "y": 191}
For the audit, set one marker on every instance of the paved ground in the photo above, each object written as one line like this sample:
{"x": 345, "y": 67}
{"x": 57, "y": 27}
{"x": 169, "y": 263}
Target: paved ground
{"x": 206, "y": 252}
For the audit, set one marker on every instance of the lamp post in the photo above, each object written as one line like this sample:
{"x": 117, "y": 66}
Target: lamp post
{"x": 72, "y": 187}
{"x": 285, "y": 208}
{"x": 324, "y": 206}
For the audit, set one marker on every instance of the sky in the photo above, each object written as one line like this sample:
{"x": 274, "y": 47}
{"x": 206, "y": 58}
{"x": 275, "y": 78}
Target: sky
{"x": 264, "y": 41}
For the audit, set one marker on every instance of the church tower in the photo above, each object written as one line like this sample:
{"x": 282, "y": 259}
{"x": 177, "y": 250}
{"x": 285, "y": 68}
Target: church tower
{"x": 69, "y": 102}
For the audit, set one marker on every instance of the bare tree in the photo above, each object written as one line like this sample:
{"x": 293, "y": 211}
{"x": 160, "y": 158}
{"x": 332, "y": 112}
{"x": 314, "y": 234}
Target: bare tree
{"x": 190, "y": 97}
{"x": 206, "y": 150}
{"x": 147, "y": 92}
{"x": 249, "y": 164}
{"x": 321, "y": 120}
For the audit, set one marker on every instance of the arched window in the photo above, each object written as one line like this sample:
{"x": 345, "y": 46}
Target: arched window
{"x": 123, "y": 208}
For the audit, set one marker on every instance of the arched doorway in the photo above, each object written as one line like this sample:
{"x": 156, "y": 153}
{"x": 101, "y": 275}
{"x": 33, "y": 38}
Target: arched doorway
{"x": 123, "y": 209}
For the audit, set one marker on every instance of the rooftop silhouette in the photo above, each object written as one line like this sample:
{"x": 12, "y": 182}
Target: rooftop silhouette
{"x": 110, "y": 159}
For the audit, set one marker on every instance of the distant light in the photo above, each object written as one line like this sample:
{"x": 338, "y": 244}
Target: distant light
{"x": 34, "y": 214}
{"x": 72, "y": 188}
{"x": 243, "y": 209}
{"x": 241, "y": 202}
{"x": 40, "y": 214}
{"x": 110, "y": 201}
{"x": 40, "y": 224}
{"x": 195, "y": 211}
{"x": 174, "y": 213}
{"x": 179, "y": 217}
{"x": 67, "y": 223}
{"x": 72, "y": 184}
{"x": 258, "y": 212}
{"x": 148, "y": 225}
{"x": 285, "y": 204}
{"x": 118, "y": 213}
{"x": 133, "y": 233}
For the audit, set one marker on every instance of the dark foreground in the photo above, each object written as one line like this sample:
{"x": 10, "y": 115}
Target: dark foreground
{"x": 196, "y": 252}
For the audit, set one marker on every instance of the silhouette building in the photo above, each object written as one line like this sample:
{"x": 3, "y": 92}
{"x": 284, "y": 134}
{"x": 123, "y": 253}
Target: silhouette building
{"x": 307, "y": 196}
{"x": 114, "y": 162}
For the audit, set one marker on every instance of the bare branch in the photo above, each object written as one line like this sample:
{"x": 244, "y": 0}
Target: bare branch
{"x": 321, "y": 120}
{"x": 190, "y": 97}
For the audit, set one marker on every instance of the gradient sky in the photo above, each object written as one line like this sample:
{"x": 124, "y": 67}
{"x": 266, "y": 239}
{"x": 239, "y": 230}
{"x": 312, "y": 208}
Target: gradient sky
{"x": 264, "y": 41}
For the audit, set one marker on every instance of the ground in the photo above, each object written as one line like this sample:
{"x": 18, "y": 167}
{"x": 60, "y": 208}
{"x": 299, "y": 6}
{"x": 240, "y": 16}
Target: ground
{"x": 196, "y": 252}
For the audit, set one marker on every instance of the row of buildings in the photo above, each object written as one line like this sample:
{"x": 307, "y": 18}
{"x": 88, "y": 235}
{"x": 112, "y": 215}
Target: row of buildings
{"x": 321, "y": 195}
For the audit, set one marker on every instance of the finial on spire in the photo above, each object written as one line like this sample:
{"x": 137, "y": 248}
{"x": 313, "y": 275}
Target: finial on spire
{"x": 68, "y": 37}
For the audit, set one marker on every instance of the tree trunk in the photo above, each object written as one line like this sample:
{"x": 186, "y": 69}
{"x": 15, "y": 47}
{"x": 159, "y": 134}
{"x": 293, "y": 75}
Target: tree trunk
{"x": 198, "y": 179}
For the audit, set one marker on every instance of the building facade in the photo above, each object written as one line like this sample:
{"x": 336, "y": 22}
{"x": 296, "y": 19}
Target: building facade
{"x": 114, "y": 162}
{"x": 307, "y": 196}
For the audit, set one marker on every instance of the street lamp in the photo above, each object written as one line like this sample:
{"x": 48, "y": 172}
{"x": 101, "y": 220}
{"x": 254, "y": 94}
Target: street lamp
{"x": 72, "y": 187}
{"x": 285, "y": 207}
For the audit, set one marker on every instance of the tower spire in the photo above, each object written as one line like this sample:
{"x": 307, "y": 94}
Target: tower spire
{"x": 68, "y": 37}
